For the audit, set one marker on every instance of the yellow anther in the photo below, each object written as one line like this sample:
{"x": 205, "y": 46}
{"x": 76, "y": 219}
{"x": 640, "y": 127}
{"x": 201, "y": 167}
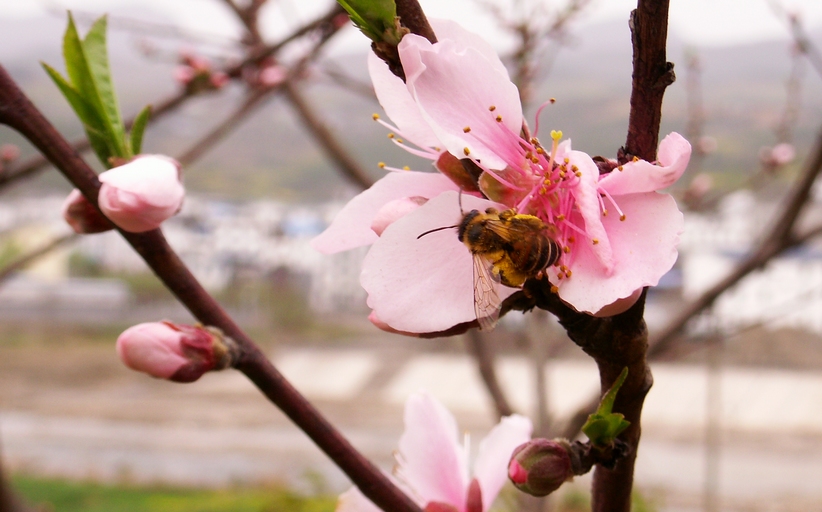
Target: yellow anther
{"x": 566, "y": 249}
{"x": 567, "y": 273}
{"x": 540, "y": 151}
{"x": 604, "y": 213}
{"x": 571, "y": 239}
{"x": 534, "y": 160}
{"x": 556, "y": 134}
{"x": 499, "y": 119}
{"x": 390, "y": 135}
{"x": 552, "y": 100}
{"x": 466, "y": 129}
{"x": 574, "y": 168}
{"x": 400, "y": 141}
{"x": 375, "y": 116}
{"x": 566, "y": 160}
{"x": 636, "y": 159}
{"x": 560, "y": 275}
{"x": 619, "y": 168}
{"x": 578, "y": 174}
{"x": 528, "y": 155}
{"x": 466, "y": 151}
{"x": 595, "y": 241}
{"x": 492, "y": 108}
{"x": 560, "y": 217}
{"x": 534, "y": 140}
{"x": 436, "y": 148}
{"x": 622, "y": 217}
{"x": 381, "y": 165}
{"x": 406, "y": 168}
{"x": 554, "y": 289}
{"x": 547, "y": 181}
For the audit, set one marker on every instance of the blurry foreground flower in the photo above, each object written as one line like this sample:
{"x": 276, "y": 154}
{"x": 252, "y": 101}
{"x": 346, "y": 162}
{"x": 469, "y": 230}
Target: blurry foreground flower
{"x": 181, "y": 353}
{"x": 432, "y": 463}
{"x": 617, "y": 234}
{"x": 777, "y": 156}
{"x": 141, "y": 194}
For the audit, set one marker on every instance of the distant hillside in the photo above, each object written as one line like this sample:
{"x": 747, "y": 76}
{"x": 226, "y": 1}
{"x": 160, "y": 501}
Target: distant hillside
{"x": 271, "y": 155}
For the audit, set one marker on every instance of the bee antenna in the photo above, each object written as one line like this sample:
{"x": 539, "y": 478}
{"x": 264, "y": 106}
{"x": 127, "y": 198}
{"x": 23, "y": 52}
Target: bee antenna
{"x": 436, "y": 229}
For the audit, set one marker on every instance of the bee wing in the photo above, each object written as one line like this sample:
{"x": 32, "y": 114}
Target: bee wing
{"x": 486, "y": 296}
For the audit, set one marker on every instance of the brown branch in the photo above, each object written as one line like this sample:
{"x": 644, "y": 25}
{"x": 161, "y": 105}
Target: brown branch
{"x": 20, "y": 114}
{"x": 28, "y": 258}
{"x": 478, "y": 347}
{"x": 333, "y": 149}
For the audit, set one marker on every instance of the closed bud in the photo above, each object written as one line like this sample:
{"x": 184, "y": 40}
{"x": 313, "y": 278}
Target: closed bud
{"x": 540, "y": 466}
{"x": 82, "y": 216}
{"x": 141, "y": 194}
{"x": 181, "y": 353}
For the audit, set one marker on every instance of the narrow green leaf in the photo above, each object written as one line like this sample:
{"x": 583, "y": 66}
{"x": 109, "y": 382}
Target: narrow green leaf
{"x": 92, "y": 123}
{"x": 375, "y": 18}
{"x": 80, "y": 74}
{"x": 606, "y": 405}
{"x": 138, "y": 128}
{"x": 94, "y": 46}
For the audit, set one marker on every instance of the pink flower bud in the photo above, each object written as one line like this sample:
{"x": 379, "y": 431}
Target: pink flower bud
{"x": 783, "y": 153}
{"x": 271, "y": 76}
{"x": 218, "y": 79}
{"x": 183, "y": 74}
{"x": 540, "y": 466}
{"x": 181, "y": 353}
{"x": 9, "y": 152}
{"x": 141, "y": 194}
{"x": 82, "y": 216}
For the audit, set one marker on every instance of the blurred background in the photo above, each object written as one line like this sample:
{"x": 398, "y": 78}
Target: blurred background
{"x": 271, "y": 116}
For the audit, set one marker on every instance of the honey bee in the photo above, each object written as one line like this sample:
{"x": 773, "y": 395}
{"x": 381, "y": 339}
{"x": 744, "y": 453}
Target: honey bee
{"x": 507, "y": 248}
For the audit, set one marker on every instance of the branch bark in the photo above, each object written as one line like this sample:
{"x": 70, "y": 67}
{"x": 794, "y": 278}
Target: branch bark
{"x": 478, "y": 347}
{"x": 20, "y": 114}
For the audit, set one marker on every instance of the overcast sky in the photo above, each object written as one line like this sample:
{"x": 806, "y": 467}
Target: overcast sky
{"x": 698, "y": 22}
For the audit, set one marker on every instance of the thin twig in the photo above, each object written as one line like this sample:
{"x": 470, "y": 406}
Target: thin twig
{"x": 20, "y": 114}
{"x": 332, "y": 147}
{"x": 477, "y": 345}
{"x": 30, "y": 257}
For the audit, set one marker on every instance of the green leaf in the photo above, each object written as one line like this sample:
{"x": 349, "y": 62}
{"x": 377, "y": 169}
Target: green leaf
{"x": 138, "y": 128}
{"x": 92, "y": 81}
{"x": 375, "y": 18}
{"x": 92, "y": 123}
{"x": 604, "y": 426}
{"x": 94, "y": 46}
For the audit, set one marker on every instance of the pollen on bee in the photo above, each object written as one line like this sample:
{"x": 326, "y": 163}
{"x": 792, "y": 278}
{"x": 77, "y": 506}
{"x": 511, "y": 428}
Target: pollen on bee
{"x": 595, "y": 241}
{"x": 390, "y": 135}
{"x": 466, "y": 129}
{"x": 381, "y": 165}
{"x": 622, "y": 217}
{"x": 466, "y": 151}
{"x": 499, "y": 119}
{"x": 492, "y": 108}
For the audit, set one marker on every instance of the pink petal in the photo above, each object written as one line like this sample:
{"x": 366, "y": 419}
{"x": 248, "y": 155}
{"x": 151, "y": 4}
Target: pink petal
{"x": 491, "y": 466}
{"x": 155, "y": 179}
{"x": 152, "y": 347}
{"x": 644, "y": 248}
{"x": 397, "y": 102}
{"x": 641, "y": 176}
{"x": 394, "y": 210}
{"x": 431, "y": 459}
{"x": 454, "y": 83}
{"x": 426, "y": 284}
{"x": 352, "y": 226}
{"x": 587, "y": 202}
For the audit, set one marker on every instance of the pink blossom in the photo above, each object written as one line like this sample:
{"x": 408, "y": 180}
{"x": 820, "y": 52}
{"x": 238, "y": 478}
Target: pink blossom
{"x": 182, "y": 353}
{"x": 433, "y": 462}
{"x": 82, "y": 216}
{"x": 141, "y": 194}
{"x": 617, "y": 233}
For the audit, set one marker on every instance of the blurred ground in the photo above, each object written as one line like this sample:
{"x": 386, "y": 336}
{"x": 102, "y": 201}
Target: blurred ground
{"x": 67, "y": 407}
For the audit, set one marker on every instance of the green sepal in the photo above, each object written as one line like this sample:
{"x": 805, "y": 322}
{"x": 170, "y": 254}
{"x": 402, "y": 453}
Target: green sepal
{"x": 377, "y": 19}
{"x": 138, "y": 128}
{"x": 604, "y": 426}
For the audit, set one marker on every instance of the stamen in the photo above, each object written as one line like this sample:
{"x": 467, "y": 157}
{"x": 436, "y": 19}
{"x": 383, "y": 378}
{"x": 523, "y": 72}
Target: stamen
{"x": 406, "y": 168}
{"x": 466, "y": 129}
{"x": 466, "y": 151}
{"x": 554, "y": 289}
{"x": 375, "y": 116}
{"x": 381, "y": 165}
{"x": 492, "y": 108}
{"x": 622, "y": 217}
{"x": 619, "y": 168}
{"x": 595, "y": 241}
{"x": 499, "y": 119}
{"x": 390, "y": 135}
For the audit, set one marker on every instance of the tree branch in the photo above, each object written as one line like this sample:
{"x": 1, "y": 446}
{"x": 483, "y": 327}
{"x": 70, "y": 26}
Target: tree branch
{"x": 26, "y": 259}
{"x": 478, "y": 347}
{"x": 20, "y": 114}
